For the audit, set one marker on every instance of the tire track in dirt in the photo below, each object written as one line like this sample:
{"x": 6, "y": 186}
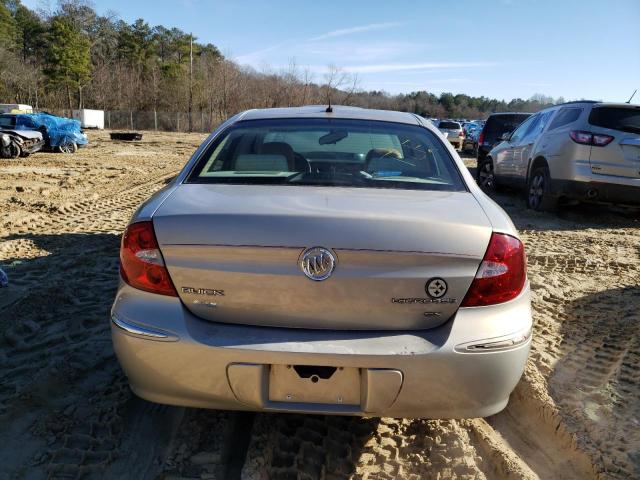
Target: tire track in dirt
{"x": 289, "y": 446}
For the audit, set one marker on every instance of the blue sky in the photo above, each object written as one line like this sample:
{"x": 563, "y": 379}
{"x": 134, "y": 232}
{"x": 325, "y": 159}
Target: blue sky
{"x": 502, "y": 48}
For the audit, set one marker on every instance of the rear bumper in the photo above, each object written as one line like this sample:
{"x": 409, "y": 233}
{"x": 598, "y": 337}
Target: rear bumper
{"x": 457, "y": 141}
{"x": 172, "y": 357}
{"x": 597, "y": 191}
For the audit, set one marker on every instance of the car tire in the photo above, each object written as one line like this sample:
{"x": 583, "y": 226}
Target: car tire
{"x": 539, "y": 197}
{"x": 71, "y": 147}
{"x": 14, "y": 151}
{"x": 485, "y": 177}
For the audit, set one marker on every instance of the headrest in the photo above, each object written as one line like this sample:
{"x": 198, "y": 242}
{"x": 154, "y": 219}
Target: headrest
{"x": 261, "y": 163}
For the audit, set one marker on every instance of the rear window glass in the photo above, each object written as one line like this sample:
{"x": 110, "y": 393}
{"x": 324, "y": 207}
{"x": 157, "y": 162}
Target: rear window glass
{"x": 564, "y": 117}
{"x": 449, "y": 125}
{"x": 498, "y": 124}
{"x": 616, "y": 118}
{"x": 323, "y": 152}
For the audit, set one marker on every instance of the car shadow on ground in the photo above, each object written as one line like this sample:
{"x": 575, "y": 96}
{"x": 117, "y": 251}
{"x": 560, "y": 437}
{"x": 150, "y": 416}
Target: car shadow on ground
{"x": 572, "y": 216}
{"x": 65, "y": 404}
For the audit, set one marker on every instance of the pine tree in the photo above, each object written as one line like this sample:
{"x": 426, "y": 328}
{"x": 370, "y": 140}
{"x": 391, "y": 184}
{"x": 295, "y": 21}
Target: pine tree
{"x": 68, "y": 59}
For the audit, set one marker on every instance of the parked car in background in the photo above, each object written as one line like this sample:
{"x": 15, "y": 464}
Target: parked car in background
{"x": 494, "y": 128}
{"x": 471, "y": 133}
{"x": 324, "y": 261}
{"x": 60, "y": 134}
{"x": 453, "y": 131}
{"x": 578, "y": 151}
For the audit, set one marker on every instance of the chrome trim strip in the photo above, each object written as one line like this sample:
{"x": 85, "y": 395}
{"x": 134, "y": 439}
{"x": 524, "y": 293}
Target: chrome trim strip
{"x": 495, "y": 344}
{"x": 143, "y": 332}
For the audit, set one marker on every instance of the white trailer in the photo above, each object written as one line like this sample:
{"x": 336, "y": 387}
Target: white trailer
{"x": 90, "y": 118}
{"x": 15, "y": 108}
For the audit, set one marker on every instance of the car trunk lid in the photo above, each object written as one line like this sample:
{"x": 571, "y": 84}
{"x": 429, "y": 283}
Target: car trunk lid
{"x": 234, "y": 252}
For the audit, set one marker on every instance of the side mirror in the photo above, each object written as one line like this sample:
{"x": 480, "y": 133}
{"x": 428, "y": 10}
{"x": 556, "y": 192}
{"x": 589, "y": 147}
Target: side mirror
{"x": 505, "y": 136}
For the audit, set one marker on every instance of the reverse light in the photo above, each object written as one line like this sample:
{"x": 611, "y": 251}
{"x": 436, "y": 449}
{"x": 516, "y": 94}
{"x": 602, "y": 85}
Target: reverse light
{"x": 588, "y": 138}
{"x": 501, "y": 275}
{"x": 141, "y": 262}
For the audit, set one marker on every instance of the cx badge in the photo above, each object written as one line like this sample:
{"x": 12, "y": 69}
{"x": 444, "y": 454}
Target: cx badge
{"x": 436, "y": 288}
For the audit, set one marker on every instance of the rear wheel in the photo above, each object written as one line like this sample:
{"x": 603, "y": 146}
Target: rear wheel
{"x": 484, "y": 175}
{"x": 539, "y": 195}
{"x": 70, "y": 147}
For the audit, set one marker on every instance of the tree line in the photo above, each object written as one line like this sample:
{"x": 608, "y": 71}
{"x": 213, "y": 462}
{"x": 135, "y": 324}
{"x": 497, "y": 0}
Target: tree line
{"x": 72, "y": 57}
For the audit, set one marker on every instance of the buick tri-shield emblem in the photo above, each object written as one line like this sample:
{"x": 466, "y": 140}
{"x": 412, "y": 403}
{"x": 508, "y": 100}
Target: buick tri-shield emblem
{"x": 317, "y": 263}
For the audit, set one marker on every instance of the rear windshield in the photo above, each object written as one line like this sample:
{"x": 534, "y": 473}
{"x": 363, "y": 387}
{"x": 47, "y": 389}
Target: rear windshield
{"x": 449, "y": 125}
{"x": 324, "y": 152}
{"x": 498, "y": 124}
{"x": 616, "y": 118}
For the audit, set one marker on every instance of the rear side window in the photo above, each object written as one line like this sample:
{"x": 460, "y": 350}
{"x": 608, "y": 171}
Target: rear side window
{"x": 626, "y": 119}
{"x": 564, "y": 117}
{"x": 329, "y": 152}
{"x": 449, "y": 125}
{"x": 7, "y": 121}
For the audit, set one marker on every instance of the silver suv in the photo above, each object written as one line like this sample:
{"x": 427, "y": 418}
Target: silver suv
{"x": 577, "y": 151}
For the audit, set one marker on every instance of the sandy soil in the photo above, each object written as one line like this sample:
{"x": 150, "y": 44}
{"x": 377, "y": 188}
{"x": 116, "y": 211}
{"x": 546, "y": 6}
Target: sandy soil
{"x": 66, "y": 410}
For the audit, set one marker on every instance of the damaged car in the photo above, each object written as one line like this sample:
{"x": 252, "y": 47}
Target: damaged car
{"x": 19, "y": 143}
{"x": 60, "y": 134}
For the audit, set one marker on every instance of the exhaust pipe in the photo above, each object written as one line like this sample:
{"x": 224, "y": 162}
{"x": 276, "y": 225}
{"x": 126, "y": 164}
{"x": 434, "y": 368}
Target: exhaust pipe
{"x": 592, "y": 193}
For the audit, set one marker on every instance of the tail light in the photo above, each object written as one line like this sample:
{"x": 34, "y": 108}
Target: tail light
{"x": 501, "y": 275}
{"x": 588, "y": 138}
{"x": 601, "y": 140}
{"x": 461, "y": 133}
{"x": 141, "y": 262}
{"x": 481, "y": 138}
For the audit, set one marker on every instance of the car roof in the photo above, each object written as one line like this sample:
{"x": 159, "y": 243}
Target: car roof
{"x": 338, "y": 111}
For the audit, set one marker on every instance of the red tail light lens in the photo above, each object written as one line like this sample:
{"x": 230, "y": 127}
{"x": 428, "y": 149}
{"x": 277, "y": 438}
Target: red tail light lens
{"x": 588, "y": 138}
{"x": 481, "y": 138}
{"x": 601, "y": 140}
{"x": 501, "y": 275}
{"x": 461, "y": 133}
{"x": 141, "y": 263}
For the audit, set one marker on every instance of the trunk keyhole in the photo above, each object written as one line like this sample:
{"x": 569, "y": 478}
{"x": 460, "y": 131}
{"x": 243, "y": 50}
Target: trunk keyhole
{"x": 314, "y": 379}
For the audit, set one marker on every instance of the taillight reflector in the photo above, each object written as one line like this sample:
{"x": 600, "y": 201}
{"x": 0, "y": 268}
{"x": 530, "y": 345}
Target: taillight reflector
{"x": 588, "y": 138}
{"x": 501, "y": 275}
{"x": 141, "y": 262}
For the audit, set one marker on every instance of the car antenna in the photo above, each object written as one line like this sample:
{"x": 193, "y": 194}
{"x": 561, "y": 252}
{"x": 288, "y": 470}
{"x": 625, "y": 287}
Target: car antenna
{"x": 329, "y": 108}
{"x": 632, "y": 95}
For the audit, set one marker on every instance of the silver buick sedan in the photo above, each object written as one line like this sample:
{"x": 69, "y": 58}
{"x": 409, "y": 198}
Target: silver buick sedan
{"x": 324, "y": 260}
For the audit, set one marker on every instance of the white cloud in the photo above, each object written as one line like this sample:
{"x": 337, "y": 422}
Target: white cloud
{"x": 349, "y": 31}
{"x": 399, "y": 67}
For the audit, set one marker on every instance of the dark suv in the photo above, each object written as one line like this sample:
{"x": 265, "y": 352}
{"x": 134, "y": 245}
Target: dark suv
{"x": 496, "y": 126}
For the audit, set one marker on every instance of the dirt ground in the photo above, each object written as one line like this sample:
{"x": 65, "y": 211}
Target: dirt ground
{"x": 66, "y": 410}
